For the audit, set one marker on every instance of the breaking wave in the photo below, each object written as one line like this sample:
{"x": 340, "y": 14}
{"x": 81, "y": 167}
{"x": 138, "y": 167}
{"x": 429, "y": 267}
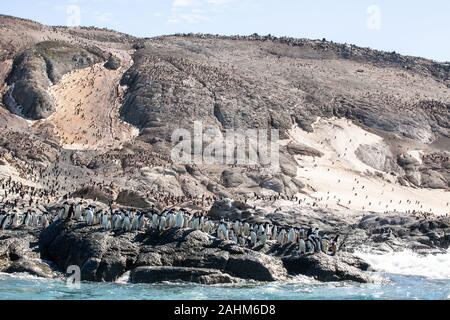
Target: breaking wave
{"x": 432, "y": 266}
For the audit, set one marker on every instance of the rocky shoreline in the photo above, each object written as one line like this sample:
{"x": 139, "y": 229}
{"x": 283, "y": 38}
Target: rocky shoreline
{"x": 193, "y": 256}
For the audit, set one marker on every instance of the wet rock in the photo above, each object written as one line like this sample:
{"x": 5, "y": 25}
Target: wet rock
{"x": 176, "y": 274}
{"x": 327, "y": 268}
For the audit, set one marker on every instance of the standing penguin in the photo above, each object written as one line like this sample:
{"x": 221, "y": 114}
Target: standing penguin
{"x": 89, "y": 216}
{"x": 179, "y": 220}
{"x": 6, "y": 222}
{"x": 135, "y": 223}
{"x": 106, "y": 224}
{"x": 126, "y": 226}
{"x": 301, "y": 246}
{"x": 44, "y": 221}
{"x": 253, "y": 239}
{"x": 78, "y": 212}
{"x": 162, "y": 223}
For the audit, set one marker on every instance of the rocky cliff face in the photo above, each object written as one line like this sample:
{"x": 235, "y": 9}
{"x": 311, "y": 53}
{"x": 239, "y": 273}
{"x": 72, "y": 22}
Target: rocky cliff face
{"x": 346, "y": 116}
{"x": 36, "y": 69}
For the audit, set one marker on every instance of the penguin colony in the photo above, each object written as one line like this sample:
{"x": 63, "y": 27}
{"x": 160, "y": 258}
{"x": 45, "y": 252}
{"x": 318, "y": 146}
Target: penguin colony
{"x": 245, "y": 234}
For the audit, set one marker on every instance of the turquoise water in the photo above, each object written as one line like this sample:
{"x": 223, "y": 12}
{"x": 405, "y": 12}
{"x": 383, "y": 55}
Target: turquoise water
{"x": 19, "y": 287}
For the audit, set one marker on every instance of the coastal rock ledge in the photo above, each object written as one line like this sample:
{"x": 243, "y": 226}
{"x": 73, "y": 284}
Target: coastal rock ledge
{"x": 173, "y": 255}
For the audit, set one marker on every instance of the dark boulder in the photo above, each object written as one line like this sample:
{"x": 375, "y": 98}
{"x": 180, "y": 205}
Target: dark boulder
{"x": 327, "y": 268}
{"x": 174, "y": 274}
{"x": 113, "y": 63}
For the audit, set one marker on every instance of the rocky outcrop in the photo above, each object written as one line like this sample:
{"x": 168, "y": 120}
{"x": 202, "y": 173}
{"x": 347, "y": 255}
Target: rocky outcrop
{"x": 328, "y": 269}
{"x": 175, "y": 255}
{"x": 160, "y": 274}
{"x": 36, "y": 69}
{"x": 19, "y": 254}
{"x": 303, "y": 150}
{"x": 113, "y": 63}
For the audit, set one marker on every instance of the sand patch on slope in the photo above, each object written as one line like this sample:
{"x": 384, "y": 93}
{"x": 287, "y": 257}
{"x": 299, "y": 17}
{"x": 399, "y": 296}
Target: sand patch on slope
{"x": 87, "y": 107}
{"x": 340, "y": 180}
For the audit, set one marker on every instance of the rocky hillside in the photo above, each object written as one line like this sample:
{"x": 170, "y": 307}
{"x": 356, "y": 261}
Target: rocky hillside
{"x": 92, "y": 111}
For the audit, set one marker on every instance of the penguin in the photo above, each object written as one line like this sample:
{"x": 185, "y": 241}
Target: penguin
{"x": 195, "y": 223}
{"x": 44, "y": 221}
{"x": 325, "y": 244}
{"x": 135, "y": 223}
{"x": 233, "y": 237}
{"x": 253, "y": 239}
{"x": 207, "y": 226}
{"x": 6, "y": 222}
{"x": 171, "y": 220}
{"x": 2, "y": 216}
{"x": 106, "y": 225}
{"x": 281, "y": 237}
{"x": 179, "y": 220}
{"x": 291, "y": 236}
{"x": 268, "y": 231}
{"x": 155, "y": 221}
{"x": 126, "y": 226}
{"x": 187, "y": 221}
{"x": 141, "y": 221}
{"x": 301, "y": 247}
{"x": 162, "y": 223}
{"x": 261, "y": 229}
{"x": 242, "y": 241}
{"x": 28, "y": 218}
{"x": 78, "y": 212}
{"x": 35, "y": 220}
{"x": 15, "y": 219}
{"x": 118, "y": 222}
{"x": 263, "y": 239}
{"x": 310, "y": 246}
{"x": 246, "y": 229}
{"x": 274, "y": 233}
{"x": 66, "y": 210}
{"x": 89, "y": 216}
{"x": 237, "y": 227}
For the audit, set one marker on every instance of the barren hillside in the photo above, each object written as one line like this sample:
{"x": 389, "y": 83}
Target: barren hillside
{"x": 92, "y": 111}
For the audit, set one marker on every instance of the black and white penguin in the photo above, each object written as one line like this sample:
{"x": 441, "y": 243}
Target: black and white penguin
{"x": 106, "y": 223}
{"x": 162, "y": 223}
{"x": 44, "y": 221}
{"x": 28, "y": 218}
{"x": 135, "y": 222}
{"x": 126, "y": 226}
{"x": 6, "y": 222}
{"x": 179, "y": 220}
{"x": 301, "y": 246}
{"x": 155, "y": 221}
{"x": 78, "y": 212}
{"x": 89, "y": 216}
{"x": 118, "y": 221}
{"x": 141, "y": 221}
{"x": 253, "y": 238}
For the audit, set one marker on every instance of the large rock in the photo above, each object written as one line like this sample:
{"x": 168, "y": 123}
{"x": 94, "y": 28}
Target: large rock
{"x": 175, "y": 274}
{"x": 327, "y": 268}
{"x": 113, "y": 63}
{"x": 295, "y": 148}
{"x": 231, "y": 178}
{"x": 104, "y": 256}
{"x": 129, "y": 198}
{"x": 229, "y": 209}
{"x": 18, "y": 254}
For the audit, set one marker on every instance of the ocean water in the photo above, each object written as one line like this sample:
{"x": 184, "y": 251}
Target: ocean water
{"x": 404, "y": 276}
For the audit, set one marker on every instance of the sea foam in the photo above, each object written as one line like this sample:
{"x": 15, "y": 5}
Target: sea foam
{"x": 432, "y": 266}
